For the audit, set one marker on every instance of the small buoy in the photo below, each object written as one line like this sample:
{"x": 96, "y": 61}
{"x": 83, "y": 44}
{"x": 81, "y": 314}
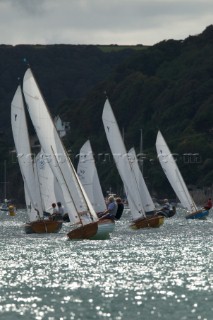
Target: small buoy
{"x": 11, "y": 209}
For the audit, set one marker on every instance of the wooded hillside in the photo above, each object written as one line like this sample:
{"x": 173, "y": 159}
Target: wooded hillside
{"x": 168, "y": 86}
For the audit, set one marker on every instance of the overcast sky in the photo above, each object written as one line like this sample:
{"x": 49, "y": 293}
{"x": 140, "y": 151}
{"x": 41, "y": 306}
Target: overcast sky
{"x": 101, "y": 21}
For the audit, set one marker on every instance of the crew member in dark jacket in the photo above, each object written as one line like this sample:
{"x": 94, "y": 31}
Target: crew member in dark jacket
{"x": 120, "y": 209}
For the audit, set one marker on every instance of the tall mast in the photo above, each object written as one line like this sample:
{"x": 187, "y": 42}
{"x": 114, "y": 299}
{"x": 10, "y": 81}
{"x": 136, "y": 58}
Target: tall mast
{"x": 141, "y": 150}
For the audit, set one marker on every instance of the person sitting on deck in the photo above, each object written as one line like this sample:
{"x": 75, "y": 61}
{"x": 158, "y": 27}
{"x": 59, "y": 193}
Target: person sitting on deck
{"x": 56, "y": 215}
{"x": 111, "y": 211}
{"x": 120, "y": 208}
{"x": 166, "y": 207}
{"x": 208, "y": 205}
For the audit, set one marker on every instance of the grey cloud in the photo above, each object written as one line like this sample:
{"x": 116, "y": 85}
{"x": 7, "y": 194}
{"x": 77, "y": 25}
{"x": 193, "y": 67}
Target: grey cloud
{"x": 101, "y": 21}
{"x": 28, "y": 6}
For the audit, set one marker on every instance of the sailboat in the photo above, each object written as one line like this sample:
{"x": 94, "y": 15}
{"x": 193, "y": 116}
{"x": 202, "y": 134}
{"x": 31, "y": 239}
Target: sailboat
{"x": 88, "y": 176}
{"x": 82, "y": 216}
{"x": 148, "y": 203}
{"x": 175, "y": 178}
{"x": 126, "y": 169}
{"x": 36, "y": 223}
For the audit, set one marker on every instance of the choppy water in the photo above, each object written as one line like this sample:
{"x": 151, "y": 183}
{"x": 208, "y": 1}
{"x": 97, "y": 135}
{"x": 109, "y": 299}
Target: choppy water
{"x": 148, "y": 274}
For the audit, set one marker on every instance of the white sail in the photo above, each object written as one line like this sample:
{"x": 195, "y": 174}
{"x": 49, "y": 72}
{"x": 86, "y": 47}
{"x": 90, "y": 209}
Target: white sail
{"x": 22, "y": 144}
{"x": 173, "y": 174}
{"x": 31, "y": 212}
{"x": 123, "y": 164}
{"x": 88, "y": 176}
{"x": 78, "y": 205}
{"x": 49, "y": 187}
{"x": 147, "y": 201}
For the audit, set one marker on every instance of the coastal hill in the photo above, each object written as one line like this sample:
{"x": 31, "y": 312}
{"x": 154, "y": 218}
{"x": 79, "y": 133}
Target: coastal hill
{"x": 167, "y": 87}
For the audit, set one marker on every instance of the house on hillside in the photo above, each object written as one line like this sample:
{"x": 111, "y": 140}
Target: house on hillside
{"x": 61, "y": 126}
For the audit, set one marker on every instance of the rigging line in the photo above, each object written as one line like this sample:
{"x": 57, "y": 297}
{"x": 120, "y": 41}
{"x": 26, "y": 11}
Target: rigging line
{"x": 66, "y": 185}
{"x": 126, "y": 185}
{"x": 35, "y": 169}
{"x": 192, "y": 204}
{"x": 130, "y": 195}
{"x": 127, "y": 189}
{"x": 79, "y": 184}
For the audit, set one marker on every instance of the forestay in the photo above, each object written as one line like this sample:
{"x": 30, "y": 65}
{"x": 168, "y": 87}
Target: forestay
{"x": 173, "y": 174}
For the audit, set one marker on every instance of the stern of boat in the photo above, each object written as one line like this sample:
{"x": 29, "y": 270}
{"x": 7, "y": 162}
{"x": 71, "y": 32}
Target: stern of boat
{"x": 201, "y": 214}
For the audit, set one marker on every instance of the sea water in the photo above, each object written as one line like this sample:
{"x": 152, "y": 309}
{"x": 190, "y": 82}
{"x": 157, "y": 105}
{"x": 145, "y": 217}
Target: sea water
{"x": 163, "y": 273}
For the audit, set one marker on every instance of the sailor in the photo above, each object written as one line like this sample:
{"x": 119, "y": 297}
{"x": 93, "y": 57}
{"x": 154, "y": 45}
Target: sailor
{"x": 60, "y": 209}
{"x": 120, "y": 208}
{"x": 111, "y": 209}
{"x": 166, "y": 207}
{"x": 208, "y": 205}
{"x": 54, "y": 208}
{"x": 57, "y": 214}
{"x": 11, "y": 209}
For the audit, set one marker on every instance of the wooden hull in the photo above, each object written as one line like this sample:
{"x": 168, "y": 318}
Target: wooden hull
{"x": 148, "y": 222}
{"x": 83, "y": 232}
{"x": 43, "y": 226}
{"x": 99, "y": 230}
{"x": 201, "y": 214}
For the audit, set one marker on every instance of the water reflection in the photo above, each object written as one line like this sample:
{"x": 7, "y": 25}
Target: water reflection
{"x": 163, "y": 273}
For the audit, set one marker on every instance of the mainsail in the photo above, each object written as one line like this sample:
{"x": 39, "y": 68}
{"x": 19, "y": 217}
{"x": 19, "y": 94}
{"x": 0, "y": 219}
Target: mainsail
{"x": 77, "y": 203}
{"x": 173, "y": 174}
{"x": 124, "y": 166}
{"x": 24, "y": 155}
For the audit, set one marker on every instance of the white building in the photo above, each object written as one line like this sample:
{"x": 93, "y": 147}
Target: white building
{"x": 61, "y": 126}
